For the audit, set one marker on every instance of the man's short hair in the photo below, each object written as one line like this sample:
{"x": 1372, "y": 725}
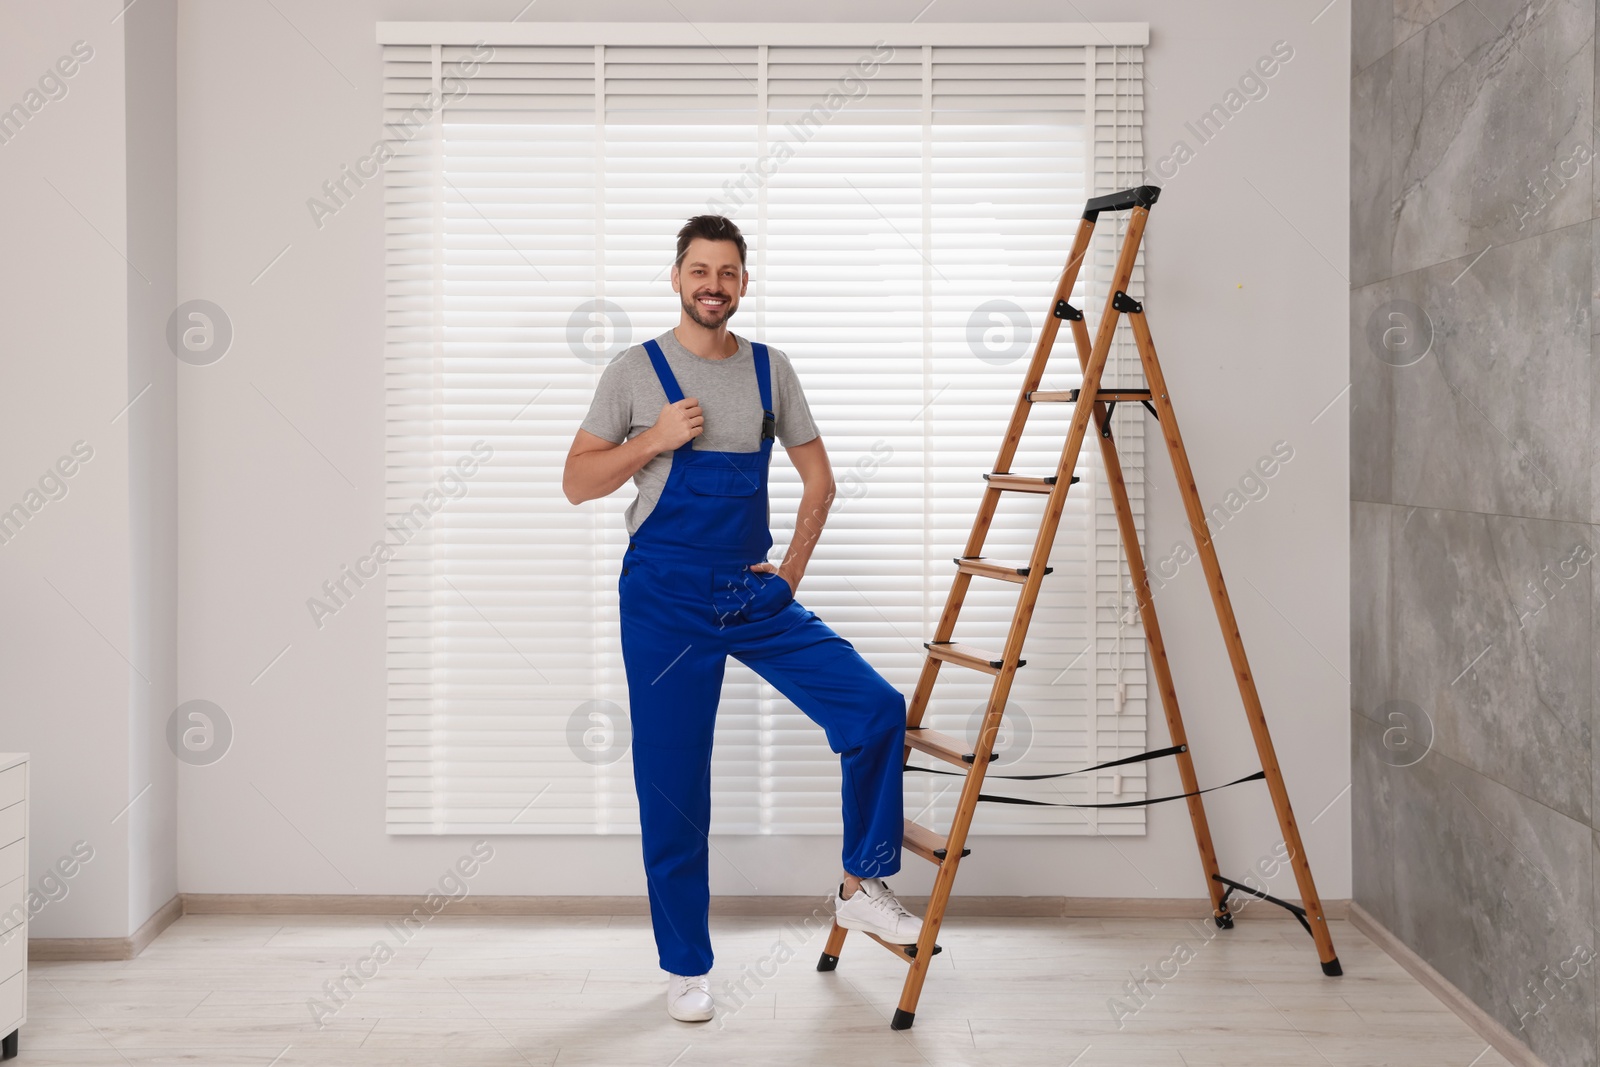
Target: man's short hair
{"x": 712, "y": 228}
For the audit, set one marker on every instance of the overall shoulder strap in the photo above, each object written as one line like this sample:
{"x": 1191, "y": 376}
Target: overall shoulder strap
{"x": 658, "y": 359}
{"x": 769, "y": 424}
{"x": 763, "y": 374}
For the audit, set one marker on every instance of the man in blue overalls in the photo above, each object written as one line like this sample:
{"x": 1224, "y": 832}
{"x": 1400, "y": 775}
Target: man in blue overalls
{"x": 696, "y": 588}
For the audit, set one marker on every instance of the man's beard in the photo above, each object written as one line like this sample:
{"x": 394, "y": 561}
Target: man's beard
{"x": 692, "y": 309}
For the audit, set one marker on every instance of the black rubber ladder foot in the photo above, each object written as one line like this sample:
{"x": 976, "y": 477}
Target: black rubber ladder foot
{"x": 1224, "y": 921}
{"x": 827, "y": 962}
{"x": 1331, "y": 968}
{"x": 8, "y": 1046}
{"x": 902, "y": 1019}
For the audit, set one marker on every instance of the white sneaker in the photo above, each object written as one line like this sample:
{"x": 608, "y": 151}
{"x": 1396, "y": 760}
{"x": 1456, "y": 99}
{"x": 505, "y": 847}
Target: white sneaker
{"x": 875, "y": 909}
{"x": 689, "y": 997}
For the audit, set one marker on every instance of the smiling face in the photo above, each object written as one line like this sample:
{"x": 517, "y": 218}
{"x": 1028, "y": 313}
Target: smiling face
{"x": 709, "y": 281}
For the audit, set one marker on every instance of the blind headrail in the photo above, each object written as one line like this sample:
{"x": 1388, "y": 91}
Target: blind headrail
{"x": 898, "y": 34}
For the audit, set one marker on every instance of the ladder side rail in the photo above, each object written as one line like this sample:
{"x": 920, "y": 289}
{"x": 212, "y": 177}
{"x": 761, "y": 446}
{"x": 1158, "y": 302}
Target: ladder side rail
{"x": 1093, "y": 371}
{"x": 973, "y": 784}
{"x": 944, "y": 879}
{"x": 1156, "y": 644}
{"x": 1235, "y": 644}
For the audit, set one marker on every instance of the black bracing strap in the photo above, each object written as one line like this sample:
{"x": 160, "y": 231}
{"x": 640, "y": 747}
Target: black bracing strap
{"x": 1140, "y": 758}
{"x": 1118, "y": 804}
{"x": 1121, "y": 803}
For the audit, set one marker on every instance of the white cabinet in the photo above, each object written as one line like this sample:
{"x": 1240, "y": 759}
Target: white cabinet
{"x": 13, "y": 898}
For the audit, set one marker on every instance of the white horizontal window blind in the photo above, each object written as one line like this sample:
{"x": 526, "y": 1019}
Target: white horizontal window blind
{"x": 909, "y": 197}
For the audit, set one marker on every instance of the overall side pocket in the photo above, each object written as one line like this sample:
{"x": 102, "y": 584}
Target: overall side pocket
{"x": 772, "y": 595}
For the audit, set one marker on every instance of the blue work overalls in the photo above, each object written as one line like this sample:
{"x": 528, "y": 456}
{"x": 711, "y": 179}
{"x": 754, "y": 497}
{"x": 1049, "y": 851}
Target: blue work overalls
{"x": 688, "y": 601}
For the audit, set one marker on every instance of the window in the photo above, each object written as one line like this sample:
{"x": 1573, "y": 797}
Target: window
{"x": 909, "y": 195}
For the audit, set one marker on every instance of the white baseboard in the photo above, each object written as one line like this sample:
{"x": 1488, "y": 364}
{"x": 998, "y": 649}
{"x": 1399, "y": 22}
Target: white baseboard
{"x": 107, "y": 948}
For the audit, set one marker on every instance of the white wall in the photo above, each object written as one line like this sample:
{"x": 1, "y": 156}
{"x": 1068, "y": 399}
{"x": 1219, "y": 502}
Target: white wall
{"x": 1251, "y": 316}
{"x": 280, "y": 453}
{"x": 151, "y": 122}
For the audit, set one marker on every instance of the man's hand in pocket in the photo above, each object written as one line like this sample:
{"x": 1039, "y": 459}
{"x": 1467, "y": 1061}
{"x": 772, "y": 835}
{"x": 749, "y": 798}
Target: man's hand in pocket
{"x": 791, "y": 579}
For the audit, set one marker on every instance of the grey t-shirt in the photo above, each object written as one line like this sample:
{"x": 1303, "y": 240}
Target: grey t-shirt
{"x": 629, "y": 398}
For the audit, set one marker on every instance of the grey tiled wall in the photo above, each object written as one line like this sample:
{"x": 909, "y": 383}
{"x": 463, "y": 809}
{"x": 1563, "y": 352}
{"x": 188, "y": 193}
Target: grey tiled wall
{"x": 1474, "y": 497}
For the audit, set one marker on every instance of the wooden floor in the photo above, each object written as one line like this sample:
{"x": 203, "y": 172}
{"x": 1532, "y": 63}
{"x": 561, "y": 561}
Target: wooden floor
{"x": 471, "y": 992}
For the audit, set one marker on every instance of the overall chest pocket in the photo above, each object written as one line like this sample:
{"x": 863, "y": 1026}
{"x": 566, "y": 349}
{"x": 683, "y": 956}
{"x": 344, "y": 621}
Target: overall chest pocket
{"x": 722, "y": 481}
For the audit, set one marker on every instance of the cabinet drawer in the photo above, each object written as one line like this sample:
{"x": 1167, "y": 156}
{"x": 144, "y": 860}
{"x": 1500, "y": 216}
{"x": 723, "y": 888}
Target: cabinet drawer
{"x": 11, "y": 782}
{"x": 11, "y": 1001}
{"x": 12, "y": 859}
{"x": 13, "y": 951}
{"x": 13, "y": 823}
{"x": 13, "y": 906}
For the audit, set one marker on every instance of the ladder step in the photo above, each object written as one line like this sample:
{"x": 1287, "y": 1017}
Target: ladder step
{"x": 1022, "y": 483}
{"x": 943, "y": 746}
{"x": 1069, "y": 396}
{"x": 929, "y": 844}
{"x": 989, "y": 568}
{"x": 967, "y": 656}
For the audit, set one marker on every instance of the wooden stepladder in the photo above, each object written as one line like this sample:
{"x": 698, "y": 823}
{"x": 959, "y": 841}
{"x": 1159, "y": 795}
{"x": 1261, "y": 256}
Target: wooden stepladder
{"x": 945, "y": 851}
